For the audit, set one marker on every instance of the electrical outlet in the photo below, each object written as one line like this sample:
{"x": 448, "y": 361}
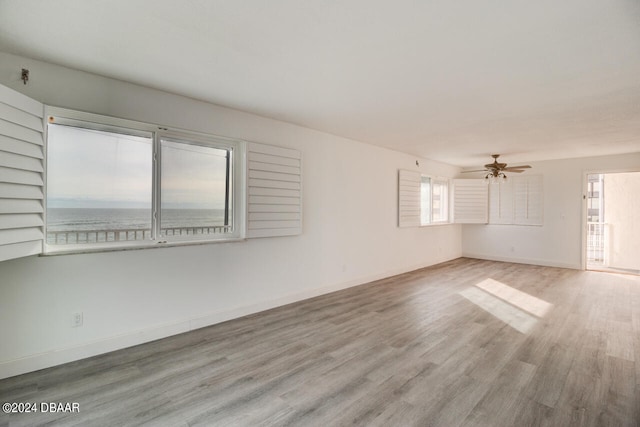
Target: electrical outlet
{"x": 77, "y": 319}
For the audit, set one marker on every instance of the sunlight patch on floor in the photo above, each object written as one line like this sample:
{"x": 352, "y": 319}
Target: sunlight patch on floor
{"x": 513, "y": 296}
{"x": 517, "y": 309}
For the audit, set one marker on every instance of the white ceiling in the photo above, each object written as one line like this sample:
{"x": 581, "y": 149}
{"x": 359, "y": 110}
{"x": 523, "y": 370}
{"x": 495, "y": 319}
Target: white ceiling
{"x": 448, "y": 80}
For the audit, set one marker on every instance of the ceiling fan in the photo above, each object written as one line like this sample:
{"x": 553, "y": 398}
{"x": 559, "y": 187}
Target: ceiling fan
{"x": 497, "y": 170}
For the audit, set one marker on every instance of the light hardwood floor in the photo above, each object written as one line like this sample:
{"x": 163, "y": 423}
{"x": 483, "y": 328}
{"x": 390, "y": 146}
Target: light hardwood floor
{"x": 408, "y": 350}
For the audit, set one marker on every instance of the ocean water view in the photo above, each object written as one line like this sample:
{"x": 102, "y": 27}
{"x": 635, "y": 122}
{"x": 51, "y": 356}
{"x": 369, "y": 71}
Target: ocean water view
{"x": 105, "y": 219}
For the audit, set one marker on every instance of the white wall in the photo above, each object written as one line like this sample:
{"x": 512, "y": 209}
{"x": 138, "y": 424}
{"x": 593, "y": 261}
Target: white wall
{"x": 558, "y": 242}
{"x": 350, "y": 236}
{"x": 622, "y": 213}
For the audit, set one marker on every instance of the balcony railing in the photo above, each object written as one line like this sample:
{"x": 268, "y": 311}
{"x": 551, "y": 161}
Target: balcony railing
{"x": 597, "y": 242}
{"x": 122, "y": 235}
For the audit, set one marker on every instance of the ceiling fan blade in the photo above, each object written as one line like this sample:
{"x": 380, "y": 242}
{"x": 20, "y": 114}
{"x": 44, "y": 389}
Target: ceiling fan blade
{"x": 497, "y": 168}
{"x": 479, "y": 170}
{"x": 495, "y": 165}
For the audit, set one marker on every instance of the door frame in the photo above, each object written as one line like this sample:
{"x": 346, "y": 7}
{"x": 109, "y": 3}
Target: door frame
{"x": 583, "y": 222}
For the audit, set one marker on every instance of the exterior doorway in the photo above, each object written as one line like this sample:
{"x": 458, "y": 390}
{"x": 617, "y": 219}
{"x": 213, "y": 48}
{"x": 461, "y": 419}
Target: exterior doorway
{"x": 613, "y": 222}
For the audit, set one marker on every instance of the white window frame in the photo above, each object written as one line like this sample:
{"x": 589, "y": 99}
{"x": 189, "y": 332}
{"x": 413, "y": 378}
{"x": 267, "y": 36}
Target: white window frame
{"x": 440, "y": 181}
{"x": 447, "y": 194}
{"x": 426, "y": 205}
{"x": 200, "y": 140}
{"x": 106, "y": 123}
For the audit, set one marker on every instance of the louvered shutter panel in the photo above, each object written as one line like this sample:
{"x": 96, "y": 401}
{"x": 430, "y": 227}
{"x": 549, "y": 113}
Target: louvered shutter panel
{"x": 501, "y": 202}
{"x": 21, "y": 170}
{"x": 274, "y": 191}
{"x": 470, "y": 201}
{"x": 528, "y": 199}
{"x": 408, "y": 198}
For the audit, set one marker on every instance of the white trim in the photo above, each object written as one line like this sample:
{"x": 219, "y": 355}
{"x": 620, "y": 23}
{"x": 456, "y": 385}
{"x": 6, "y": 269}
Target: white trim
{"x": 78, "y": 118}
{"x": 530, "y": 261}
{"x": 440, "y": 180}
{"x": 583, "y": 234}
{"x": 583, "y": 221}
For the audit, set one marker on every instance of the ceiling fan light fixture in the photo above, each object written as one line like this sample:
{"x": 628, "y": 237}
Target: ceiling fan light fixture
{"x": 495, "y": 177}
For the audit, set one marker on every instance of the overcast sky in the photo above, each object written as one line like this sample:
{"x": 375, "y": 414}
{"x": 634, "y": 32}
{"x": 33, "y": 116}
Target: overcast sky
{"x": 94, "y": 169}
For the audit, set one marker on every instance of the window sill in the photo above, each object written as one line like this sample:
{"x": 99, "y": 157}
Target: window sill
{"x": 436, "y": 224}
{"x": 135, "y": 246}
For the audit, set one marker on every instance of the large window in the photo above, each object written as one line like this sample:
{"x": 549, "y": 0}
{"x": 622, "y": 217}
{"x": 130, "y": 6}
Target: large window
{"x": 120, "y": 186}
{"x": 422, "y": 199}
{"x": 434, "y": 200}
{"x": 195, "y": 189}
{"x": 99, "y": 185}
{"x": 89, "y": 183}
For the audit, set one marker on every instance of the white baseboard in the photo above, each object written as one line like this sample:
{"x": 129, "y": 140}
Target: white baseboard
{"x": 48, "y": 359}
{"x": 530, "y": 261}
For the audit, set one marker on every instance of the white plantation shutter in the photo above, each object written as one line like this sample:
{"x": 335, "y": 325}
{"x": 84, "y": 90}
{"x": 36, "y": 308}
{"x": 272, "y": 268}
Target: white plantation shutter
{"x": 518, "y": 201}
{"x": 274, "y": 191}
{"x": 470, "y": 201}
{"x": 408, "y": 198}
{"x": 528, "y": 200}
{"x": 21, "y": 175}
{"x": 501, "y": 202}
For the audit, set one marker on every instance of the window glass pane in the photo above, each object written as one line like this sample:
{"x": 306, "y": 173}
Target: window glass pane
{"x": 440, "y": 200}
{"x": 98, "y": 186}
{"x": 425, "y": 200}
{"x": 195, "y": 189}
